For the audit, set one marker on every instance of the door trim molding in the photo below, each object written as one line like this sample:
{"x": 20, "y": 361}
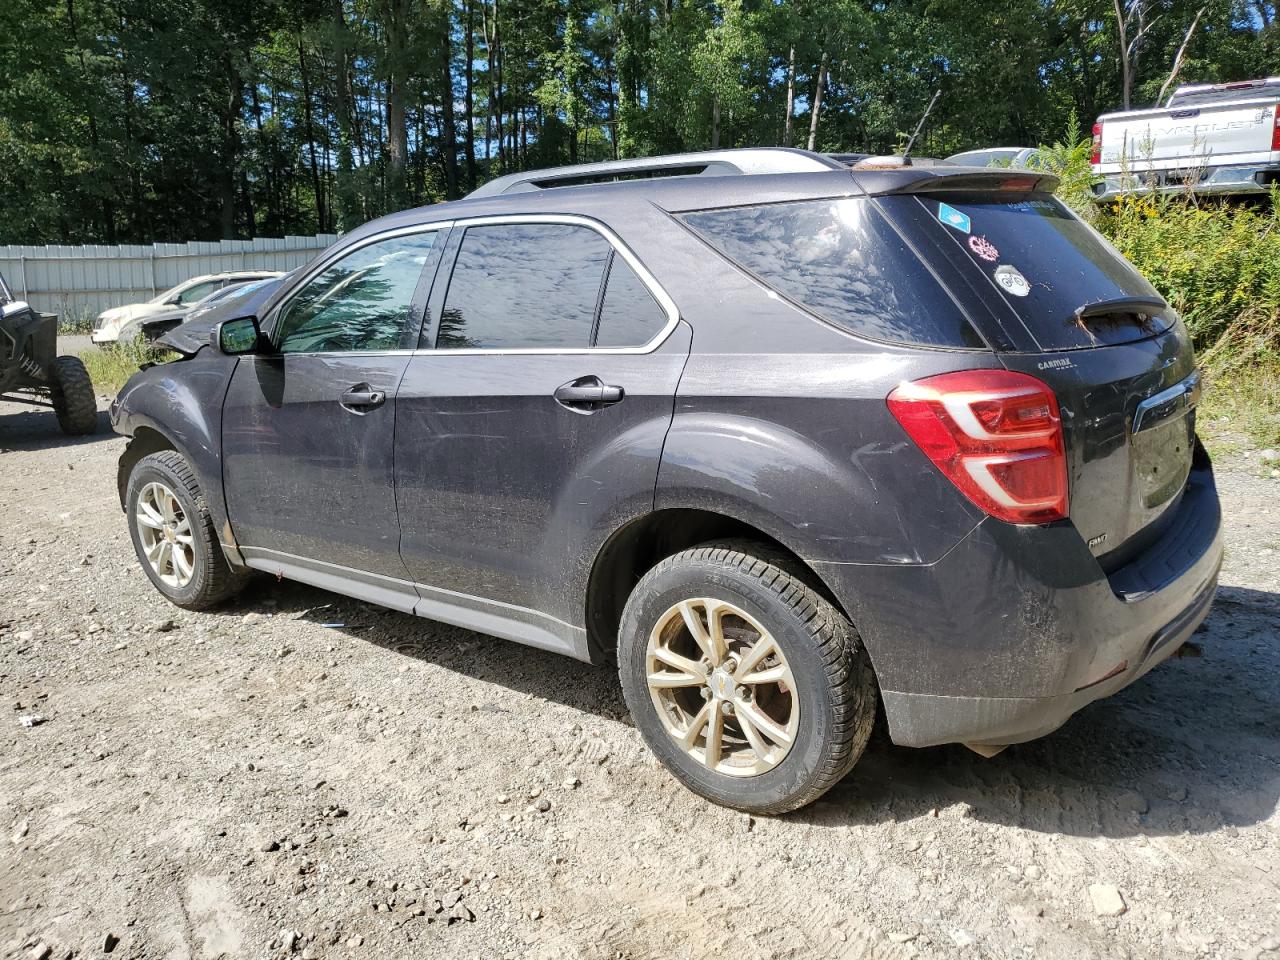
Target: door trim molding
{"x": 509, "y": 621}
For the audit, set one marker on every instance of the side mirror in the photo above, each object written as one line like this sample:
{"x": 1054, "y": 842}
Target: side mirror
{"x": 238, "y": 336}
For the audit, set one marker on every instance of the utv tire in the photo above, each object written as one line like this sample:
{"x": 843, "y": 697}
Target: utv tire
{"x": 74, "y": 401}
{"x": 820, "y": 669}
{"x": 168, "y": 516}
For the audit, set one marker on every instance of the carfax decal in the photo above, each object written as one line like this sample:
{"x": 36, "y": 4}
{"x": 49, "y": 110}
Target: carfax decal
{"x": 984, "y": 248}
{"x": 954, "y": 218}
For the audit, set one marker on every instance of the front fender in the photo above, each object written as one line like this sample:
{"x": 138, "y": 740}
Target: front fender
{"x": 180, "y": 402}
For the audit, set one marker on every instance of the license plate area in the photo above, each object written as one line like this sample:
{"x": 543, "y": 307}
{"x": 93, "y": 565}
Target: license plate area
{"x": 1162, "y": 442}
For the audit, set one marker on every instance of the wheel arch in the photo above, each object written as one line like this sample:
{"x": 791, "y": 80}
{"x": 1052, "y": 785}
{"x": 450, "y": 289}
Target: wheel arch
{"x": 644, "y": 542}
{"x": 145, "y": 441}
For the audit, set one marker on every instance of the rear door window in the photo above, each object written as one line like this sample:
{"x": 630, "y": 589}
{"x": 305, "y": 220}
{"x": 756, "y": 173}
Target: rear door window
{"x": 1053, "y": 270}
{"x": 840, "y": 259}
{"x": 524, "y": 285}
{"x": 629, "y": 316}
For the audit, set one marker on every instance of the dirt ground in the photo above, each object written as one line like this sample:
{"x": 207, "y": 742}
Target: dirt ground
{"x": 302, "y": 774}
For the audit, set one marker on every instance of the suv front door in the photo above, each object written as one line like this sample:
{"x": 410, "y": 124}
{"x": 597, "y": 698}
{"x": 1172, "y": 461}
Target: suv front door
{"x": 307, "y": 427}
{"x": 533, "y": 427}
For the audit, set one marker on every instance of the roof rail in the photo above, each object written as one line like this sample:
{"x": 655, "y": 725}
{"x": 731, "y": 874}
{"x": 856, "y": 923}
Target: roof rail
{"x": 706, "y": 163}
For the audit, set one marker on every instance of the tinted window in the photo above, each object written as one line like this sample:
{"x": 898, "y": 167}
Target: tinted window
{"x": 840, "y": 260}
{"x": 1045, "y": 263}
{"x": 524, "y": 285}
{"x": 360, "y": 302}
{"x": 629, "y": 316}
{"x": 198, "y": 292}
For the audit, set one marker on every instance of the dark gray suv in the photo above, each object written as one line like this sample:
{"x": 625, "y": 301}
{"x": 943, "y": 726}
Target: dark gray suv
{"x": 786, "y": 437}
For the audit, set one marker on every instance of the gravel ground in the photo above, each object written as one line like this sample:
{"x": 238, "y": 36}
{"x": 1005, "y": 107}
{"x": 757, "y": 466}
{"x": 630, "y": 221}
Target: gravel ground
{"x": 303, "y": 774}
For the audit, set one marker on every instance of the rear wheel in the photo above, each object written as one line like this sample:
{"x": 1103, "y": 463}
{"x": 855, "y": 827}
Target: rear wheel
{"x": 174, "y": 535}
{"x": 748, "y": 685}
{"x": 73, "y": 398}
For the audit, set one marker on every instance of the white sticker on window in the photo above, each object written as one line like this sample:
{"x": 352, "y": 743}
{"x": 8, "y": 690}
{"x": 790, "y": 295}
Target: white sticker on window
{"x": 1012, "y": 281}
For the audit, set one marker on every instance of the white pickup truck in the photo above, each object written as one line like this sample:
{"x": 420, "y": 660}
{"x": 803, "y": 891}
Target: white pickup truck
{"x": 1216, "y": 138}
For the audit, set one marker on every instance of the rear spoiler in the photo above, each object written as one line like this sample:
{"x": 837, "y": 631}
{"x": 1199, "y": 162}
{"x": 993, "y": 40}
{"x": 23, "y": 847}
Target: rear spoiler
{"x": 971, "y": 180}
{"x": 958, "y": 179}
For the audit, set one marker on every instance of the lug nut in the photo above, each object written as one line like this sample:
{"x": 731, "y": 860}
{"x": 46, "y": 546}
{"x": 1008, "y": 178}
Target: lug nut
{"x": 726, "y": 708}
{"x": 706, "y": 693}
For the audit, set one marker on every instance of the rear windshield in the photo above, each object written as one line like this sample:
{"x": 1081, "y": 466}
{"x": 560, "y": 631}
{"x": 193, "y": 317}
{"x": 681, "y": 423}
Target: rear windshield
{"x": 1204, "y": 98}
{"x": 1053, "y": 270}
{"x": 840, "y": 259}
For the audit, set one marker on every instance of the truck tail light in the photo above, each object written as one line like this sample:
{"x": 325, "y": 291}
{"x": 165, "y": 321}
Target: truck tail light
{"x": 1275, "y": 132}
{"x": 1096, "y": 156}
{"x": 995, "y": 434}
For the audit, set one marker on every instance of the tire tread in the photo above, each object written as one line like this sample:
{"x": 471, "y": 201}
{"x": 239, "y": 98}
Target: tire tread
{"x": 222, "y": 580}
{"x": 844, "y": 659}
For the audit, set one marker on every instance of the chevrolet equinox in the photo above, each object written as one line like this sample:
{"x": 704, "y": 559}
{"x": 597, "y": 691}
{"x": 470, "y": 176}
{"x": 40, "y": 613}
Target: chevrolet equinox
{"x": 787, "y": 436}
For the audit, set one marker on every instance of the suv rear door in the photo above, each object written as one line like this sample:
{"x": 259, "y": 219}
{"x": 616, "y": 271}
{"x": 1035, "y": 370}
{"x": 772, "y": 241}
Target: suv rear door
{"x": 307, "y": 427}
{"x": 1060, "y": 303}
{"x": 531, "y": 424}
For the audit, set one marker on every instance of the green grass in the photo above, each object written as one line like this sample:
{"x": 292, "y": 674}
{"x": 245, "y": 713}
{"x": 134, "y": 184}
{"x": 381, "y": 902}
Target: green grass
{"x": 109, "y": 368}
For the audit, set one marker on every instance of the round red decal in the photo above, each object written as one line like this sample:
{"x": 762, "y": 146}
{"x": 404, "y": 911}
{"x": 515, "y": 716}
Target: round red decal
{"x": 984, "y": 248}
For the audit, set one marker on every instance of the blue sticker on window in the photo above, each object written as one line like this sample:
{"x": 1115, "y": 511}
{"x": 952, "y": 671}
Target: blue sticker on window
{"x": 954, "y": 218}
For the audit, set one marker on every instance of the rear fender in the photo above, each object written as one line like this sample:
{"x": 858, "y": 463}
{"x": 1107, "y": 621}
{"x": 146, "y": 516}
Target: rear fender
{"x": 843, "y": 496}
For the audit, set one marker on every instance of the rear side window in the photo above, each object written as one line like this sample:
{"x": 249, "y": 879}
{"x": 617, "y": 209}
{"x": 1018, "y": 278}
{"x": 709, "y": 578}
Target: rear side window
{"x": 1045, "y": 263}
{"x": 521, "y": 285}
{"x": 840, "y": 260}
{"x": 629, "y": 316}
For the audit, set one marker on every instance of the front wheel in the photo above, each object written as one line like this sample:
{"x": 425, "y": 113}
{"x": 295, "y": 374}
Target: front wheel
{"x": 74, "y": 401}
{"x": 747, "y": 684}
{"x": 174, "y": 535}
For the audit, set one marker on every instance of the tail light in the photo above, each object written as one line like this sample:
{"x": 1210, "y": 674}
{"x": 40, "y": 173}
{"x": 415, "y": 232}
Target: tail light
{"x": 996, "y": 435}
{"x": 1275, "y": 133}
{"x": 1096, "y": 156}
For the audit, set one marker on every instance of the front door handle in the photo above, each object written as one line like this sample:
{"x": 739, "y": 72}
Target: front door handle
{"x": 587, "y": 394}
{"x": 362, "y": 398}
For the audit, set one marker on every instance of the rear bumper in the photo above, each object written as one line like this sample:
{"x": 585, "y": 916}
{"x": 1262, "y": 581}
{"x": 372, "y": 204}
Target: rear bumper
{"x": 1231, "y": 180}
{"x": 1017, "y": 628}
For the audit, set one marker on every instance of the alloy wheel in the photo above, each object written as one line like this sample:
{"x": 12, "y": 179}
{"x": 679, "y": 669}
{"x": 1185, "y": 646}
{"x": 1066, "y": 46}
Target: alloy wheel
{"x": 165, "y": 531}
{"x": 722, "y": 687}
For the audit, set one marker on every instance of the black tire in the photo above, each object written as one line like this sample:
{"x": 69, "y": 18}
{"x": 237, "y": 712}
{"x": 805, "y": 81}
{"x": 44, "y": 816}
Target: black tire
{"x": 835, "y": 687}
{"x": 213, "y": 579}
{"x": 73, "y": 398}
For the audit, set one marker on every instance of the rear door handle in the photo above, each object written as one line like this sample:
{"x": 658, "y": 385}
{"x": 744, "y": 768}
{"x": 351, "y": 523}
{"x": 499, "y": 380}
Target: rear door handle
{"x": 587, "y": 394}
{"x": 362, "y": 398}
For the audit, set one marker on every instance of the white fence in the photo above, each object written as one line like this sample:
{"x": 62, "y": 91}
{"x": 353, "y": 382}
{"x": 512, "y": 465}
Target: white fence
{"x": 73, "y": 281}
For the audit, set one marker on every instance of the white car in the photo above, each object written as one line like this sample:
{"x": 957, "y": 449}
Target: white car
{"x": 1018, "y": 158}
{"x": 121, "y": 324}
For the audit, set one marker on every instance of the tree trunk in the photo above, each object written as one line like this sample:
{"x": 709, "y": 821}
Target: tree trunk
{"x": 817, "y": 102}
{"x": 448, "y": 133}
{"x": 788, "y": 126}
{"x": 347, "y": 201}
{"x": 396, "y": 28}
{"x": 1126, "y": 66}
{"x": 1177, "y": 60}
{"x": 230, "y": 146}
{"x": 309, "y": 129}
{"x": 715, "y": 121}
{"x": 108, "y": 209}
{"x": 469, "y": 96}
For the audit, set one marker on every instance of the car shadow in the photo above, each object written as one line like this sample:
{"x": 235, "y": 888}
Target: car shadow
{"x": 36, "y": 428}
{"x": 1192, "y": 747}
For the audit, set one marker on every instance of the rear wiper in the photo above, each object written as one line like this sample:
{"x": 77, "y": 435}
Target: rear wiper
{"x": 1102, "y": 308}
{"x": 1141, "y": 308}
